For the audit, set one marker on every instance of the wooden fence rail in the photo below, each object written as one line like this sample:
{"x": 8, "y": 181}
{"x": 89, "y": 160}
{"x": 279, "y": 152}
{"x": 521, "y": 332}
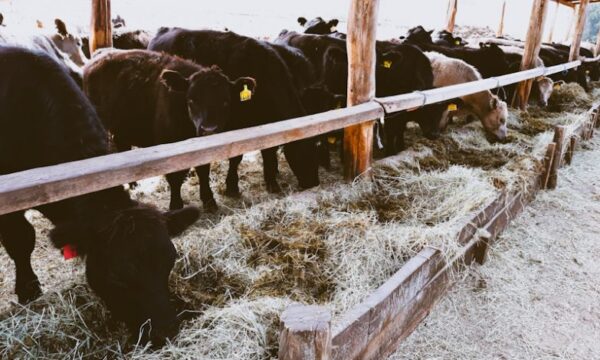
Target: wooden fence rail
{"x": 30, "y": 188}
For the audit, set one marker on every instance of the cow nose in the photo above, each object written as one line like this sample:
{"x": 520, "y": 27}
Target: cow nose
{"x": 207, "y": 130}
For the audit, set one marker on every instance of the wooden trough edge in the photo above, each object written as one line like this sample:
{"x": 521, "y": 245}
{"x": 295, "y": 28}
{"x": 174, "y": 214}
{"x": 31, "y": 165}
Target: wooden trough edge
{"x": 375, "y": 328}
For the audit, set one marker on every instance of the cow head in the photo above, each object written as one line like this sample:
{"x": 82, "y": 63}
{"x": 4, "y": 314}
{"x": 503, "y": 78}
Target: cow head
{"x": 118, "y": 22}
{"x": 446, "y": 38}
{"x": 129, "y": 257}
{"x": 317, "y": 99}
{"x": 418, "y": 35}
{"x": 335, "y": 69}
{"x": 210, "y": 97}
{"x": 494, "y": 121}
{"x": 318, "y": 26}
{"x": 544, "y": 87}
{"x": 68, "y": 43}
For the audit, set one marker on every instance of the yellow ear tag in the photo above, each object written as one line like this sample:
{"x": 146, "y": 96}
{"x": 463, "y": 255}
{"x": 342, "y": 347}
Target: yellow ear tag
{"x": 556, "y": 86}
{"x": 456, "y": 42}
{"x": 331, "y": 140}
{"x": 387, "y": 64}
{"x": 245, "y": 94}
{"x": 452, "y": 107}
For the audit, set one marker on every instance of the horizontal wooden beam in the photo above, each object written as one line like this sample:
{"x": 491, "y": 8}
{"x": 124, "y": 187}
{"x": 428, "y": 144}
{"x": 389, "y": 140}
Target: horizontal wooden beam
{"x": 34, "y": 187}
{"x": 30, "y": 188}
{"x": 418, "y": 99}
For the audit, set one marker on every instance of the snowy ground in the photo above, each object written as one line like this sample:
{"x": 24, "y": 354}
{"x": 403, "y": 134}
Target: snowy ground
{"x": 538, "y": 296}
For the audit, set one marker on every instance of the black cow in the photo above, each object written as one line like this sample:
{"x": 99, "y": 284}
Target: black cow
{"x": 276, "y": 99}
{"x": 123, "y": 39}
{"x": 319, "y": 26}
{"x": 446, "y": 38}
{"x": 147, "y": 98}
{"x": 400, "y": 69}
{"x": 2, "y": 20}
{"x": 45, "y": 119}
{"x": 489, "y": 59}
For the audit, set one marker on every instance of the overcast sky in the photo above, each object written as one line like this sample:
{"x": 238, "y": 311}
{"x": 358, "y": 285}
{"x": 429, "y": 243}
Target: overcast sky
{"x": 268, "y": 17}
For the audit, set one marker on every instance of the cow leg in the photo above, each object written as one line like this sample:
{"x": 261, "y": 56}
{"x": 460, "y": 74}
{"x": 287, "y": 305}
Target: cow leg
{"x": 323, "y": 150}
{"x": 175, "y": 181}
{"x": 232, "y": 187}
{"x": 206, "y": 194}
{"x": 270, "y": 169}
{"x": 391, "y": 132}
{"x": 18, "y": 238}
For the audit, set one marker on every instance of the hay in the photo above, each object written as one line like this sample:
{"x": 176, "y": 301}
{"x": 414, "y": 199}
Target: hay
{"x": 571, "y": 97}
{"x": 241, "y": 266}
{"x": 537, "y": 296}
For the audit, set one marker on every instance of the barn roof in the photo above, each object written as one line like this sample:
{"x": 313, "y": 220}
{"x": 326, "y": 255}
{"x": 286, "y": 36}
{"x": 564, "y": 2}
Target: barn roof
{"x": 572, "y": 3}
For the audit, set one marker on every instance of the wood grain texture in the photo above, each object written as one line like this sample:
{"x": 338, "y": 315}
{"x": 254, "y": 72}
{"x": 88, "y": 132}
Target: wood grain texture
{"x": 27, "y": 189}
{"x": 548, "y": 160}
{"x": 305, "y": 333}
{"x": 101, "y": 25}
{"x": 362, "y": 34}
{"x": 578, "y": 30}
{"x": 559, "y": 140}
{"x": 532, "y": 50}
{"x": 451, "y": 15}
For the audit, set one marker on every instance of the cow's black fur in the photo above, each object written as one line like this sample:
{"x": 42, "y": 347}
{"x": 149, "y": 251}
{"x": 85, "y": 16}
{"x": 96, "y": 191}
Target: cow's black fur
{"x": 45, "y": 119}
{"x": 147, "y": 98}
{"x": 276, "y": 98}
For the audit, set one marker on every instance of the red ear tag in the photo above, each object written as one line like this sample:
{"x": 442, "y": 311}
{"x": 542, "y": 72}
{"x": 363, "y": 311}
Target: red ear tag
{"x": 69, "y": 252}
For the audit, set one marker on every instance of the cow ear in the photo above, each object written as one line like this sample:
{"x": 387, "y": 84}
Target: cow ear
{"x": 61, "y": 27}
{"x": 494, "y": 103}
{"x": 302, "y": 21}
{"x": 390, "y": 59}
{"x": 174, "y": 81}
{"x": 334, "y": 22}
{"x": 430, "y": 32}
{"x": 179, "y": 220}
{"x": 244, "y": 88}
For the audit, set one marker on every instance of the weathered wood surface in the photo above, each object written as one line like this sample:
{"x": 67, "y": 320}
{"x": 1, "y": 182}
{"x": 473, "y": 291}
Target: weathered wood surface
{"x": 451, "y": 15}
{"x": 548, "y": 160}
{"x": 35, "y": 187}
{"x": 305, "y": 333}
{"x": 578, "y": 30}
{"x": 559, "y": 140}
{"x": 532, "y": 50}
{"x": 500, "y": 31}
{"x": 101, "y": 26}
{"x": 362, "y": 34}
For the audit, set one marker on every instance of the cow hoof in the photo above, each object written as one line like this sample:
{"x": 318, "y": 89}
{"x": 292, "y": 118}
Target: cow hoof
{"x": 210, "y": 206}
{"x": 274, "y": 188}
{"x": 30, "y": 292}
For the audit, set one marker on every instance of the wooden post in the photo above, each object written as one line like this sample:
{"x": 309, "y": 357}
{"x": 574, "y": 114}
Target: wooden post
{"x": 548, "y": 160}
{"x": 553, "y": 24}
{"x": 101, "y": 27}
{"x": 362, "y": 31}
{"x": 597, "y": 48}
{"x": 559, "y": 140}
{"x": 532, "y": 50}
{"x": 571, "y": 150}
{"x": 305, "y": 333}
{"x": 451, "y": 17}
{"x": 578, "y": 31}
{"x": 500, "y": 31}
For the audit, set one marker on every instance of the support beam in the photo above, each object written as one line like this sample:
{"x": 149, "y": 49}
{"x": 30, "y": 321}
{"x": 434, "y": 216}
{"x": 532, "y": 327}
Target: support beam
{"x": 578, "y": 30}
{"x": 305, "y": 333}
{"x": 101, "y": 27}
{"x": 553, "y": 24}
{"x": 500, "y": 31}
{"x": 451, "y": 17}
{"x": 597, "y": 48}
{"x": 571, "y": 23}
{"x": 532, "y": 50}
{"x": 362, "y": 33}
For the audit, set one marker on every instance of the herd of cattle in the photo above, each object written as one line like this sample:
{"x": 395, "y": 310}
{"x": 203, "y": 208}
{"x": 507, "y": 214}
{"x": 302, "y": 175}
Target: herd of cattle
{"x": 58, "y": 104}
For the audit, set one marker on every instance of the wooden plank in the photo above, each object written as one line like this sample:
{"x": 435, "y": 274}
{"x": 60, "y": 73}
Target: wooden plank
{"x": 571, "y": 150}
{"x": 548, "y": 160}
{"x": 500, "y": 31}
{"x": 578, "y": 30}
{"x": 31, "y": 188}
{"x": 101, "y": 26}
{"x": 532, "y": 50}
{"x": 417, "y": 99}
{"x": 305, "y": 333}
{"x": 359, "y": 326}
{"x": 571, "y": 23}
{"x": 559, "y": 140}
{"x": 362, "y": 34}
{"x": 451, "y": 15}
